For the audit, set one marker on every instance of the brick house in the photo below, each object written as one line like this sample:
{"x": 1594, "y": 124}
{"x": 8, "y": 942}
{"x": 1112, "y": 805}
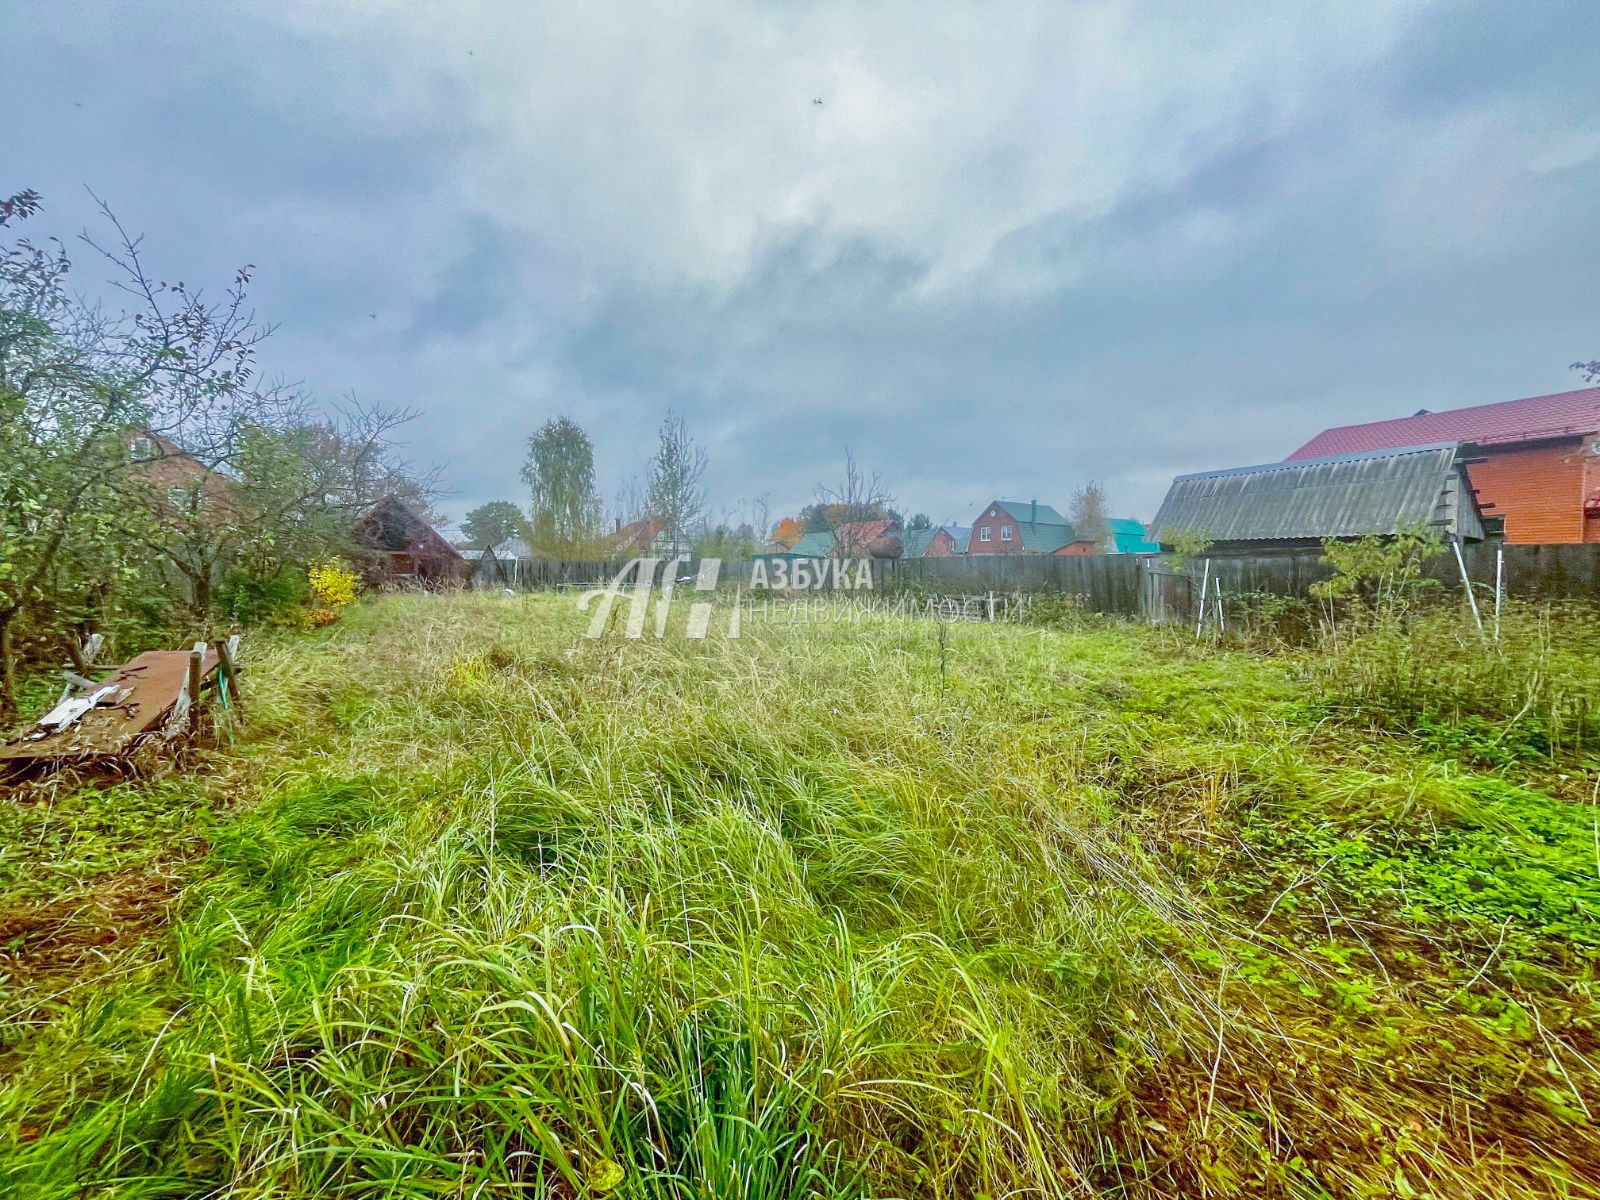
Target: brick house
{"x": 1534, "y": 463}
{"x": 184, "y": 487}
{"x": 937, "y": 542}
{"x": 859, "y": 539}
{"x": 1024, "y": 527}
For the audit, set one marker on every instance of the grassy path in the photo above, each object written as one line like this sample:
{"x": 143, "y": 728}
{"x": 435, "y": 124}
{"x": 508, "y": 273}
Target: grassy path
{"x": 477, "y": 907}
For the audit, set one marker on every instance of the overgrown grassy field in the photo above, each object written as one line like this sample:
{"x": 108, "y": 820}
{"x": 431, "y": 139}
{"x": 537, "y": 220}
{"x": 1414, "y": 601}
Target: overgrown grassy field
{"x": 477, "y": 907}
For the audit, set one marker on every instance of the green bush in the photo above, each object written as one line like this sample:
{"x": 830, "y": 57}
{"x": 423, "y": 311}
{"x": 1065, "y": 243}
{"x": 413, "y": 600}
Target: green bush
{"x": 264, "y": 599}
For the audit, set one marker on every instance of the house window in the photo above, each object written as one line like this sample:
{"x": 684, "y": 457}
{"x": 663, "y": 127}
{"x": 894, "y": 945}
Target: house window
{"x": 1005, "y": 533}
{"x": 140, "y": 447}
{"x": 179, "y": 497}
{"x": 983, "y": 534}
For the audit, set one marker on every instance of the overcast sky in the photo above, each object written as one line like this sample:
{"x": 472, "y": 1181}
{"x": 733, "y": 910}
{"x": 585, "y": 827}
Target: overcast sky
{"x": 1014, "y": 248}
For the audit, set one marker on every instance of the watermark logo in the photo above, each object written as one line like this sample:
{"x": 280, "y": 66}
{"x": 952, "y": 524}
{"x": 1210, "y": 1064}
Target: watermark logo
{"x": 648, "y": 587}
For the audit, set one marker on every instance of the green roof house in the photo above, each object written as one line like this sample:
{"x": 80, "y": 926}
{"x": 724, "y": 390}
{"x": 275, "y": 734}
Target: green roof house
{"x": 1024, "y": 527}
{"x": 816, "y": 544}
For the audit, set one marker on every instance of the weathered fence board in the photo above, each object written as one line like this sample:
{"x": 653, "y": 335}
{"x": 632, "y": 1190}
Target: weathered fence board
{"x": 1138, "y": 585}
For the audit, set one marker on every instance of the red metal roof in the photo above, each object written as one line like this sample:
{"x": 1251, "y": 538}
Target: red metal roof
{"x": 1565, "y": 414}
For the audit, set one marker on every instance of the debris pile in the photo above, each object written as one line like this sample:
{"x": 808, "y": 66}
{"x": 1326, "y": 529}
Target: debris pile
{"x": 155, "y": 696}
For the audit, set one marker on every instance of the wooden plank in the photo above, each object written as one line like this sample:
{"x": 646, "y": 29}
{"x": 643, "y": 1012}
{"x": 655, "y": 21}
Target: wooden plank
{"x": 150, "y": 683}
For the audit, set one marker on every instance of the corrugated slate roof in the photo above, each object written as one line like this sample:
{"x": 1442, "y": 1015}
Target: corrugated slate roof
{"x": 1345, "y": 495}
{"x": 1563, "y": 414}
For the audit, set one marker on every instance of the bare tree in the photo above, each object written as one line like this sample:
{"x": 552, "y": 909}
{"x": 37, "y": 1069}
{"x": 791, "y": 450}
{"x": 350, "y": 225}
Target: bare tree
{"x": 676, "y": 493}
{"x": 857, "y": 498}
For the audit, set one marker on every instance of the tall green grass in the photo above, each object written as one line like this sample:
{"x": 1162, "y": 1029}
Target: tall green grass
{"x": 487, "y": 908}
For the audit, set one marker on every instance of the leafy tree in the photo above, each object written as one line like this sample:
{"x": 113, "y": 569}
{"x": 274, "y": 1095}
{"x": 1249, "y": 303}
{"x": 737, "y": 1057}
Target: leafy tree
{"x": 788, "y": 532}
{"x": 289, "y": 493}
{"x": 675, "y": 492}
{"x": 493, "y": 523}
{"x": 1591, "y": 370}
{"x": 1187, "y": 545}
{"x": 920, "y": 521}
{"x": 565, "y": 510}
{"x": 814, "y": 518}
{"x": 74, "y": 380}
{"x": 1088, "y": 515}
{"x": 140, "y": 451}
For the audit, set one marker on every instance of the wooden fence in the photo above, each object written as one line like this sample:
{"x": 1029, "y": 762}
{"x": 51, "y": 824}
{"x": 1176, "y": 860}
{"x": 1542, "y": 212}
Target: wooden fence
{"x": 1145, "y": 587}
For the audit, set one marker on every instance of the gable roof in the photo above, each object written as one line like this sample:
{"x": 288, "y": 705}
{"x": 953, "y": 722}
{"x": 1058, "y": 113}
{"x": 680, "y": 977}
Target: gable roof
{"x": 636, "y": 538}
{"x": 879, "y": 538}
{"x": 962, "y": 535}
{"x": 1346, "y": 495}
{"x": 1563, "y": 414}
{"x": 1023, "y": 512}
{"x": 917, "y": 541}
{"x": 1045, "y": 534}
{"x": 393, "y": 525}
{"x": 816, "y": 544}
{"x": 1128, "y": 537}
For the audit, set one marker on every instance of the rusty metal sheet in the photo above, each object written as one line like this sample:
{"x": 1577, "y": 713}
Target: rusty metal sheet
{"x": 151, "y": 684}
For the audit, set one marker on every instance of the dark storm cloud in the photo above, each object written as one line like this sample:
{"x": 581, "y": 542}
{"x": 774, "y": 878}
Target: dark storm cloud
{"x": 1004, "y": 257}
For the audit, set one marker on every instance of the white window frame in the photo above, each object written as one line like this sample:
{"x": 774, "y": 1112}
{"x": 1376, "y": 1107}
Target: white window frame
{"x": 983, "y": 534}
{"x": 1005, "y": 533}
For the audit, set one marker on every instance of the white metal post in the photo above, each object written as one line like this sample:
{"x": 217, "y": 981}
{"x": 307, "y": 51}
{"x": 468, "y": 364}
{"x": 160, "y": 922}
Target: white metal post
{"x": 1455, "y": 544}
{"x": 1499, "y": 576}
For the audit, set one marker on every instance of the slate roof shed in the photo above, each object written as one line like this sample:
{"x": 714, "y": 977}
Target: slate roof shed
{"x": 1290, "y": 505}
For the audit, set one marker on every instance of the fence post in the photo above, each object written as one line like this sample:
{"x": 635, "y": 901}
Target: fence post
{"x": 1499, "y": 574}
{"x": 1466, "y": 581}
{"x": 197, "y": 659}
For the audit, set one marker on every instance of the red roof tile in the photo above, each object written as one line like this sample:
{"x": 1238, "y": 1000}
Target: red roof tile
{"x": 1561, "y": 415}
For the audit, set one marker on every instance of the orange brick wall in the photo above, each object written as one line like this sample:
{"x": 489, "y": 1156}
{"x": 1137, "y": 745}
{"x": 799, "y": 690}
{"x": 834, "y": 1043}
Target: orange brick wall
{"x": 1591, "y": 493}
{"x": 1538, "y": 489}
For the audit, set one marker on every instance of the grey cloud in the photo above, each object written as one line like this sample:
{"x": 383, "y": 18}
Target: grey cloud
{"x": 1067, "y": 251}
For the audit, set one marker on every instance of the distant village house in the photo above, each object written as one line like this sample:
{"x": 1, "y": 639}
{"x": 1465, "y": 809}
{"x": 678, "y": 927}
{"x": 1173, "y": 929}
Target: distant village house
{"x": 398, "y": 546}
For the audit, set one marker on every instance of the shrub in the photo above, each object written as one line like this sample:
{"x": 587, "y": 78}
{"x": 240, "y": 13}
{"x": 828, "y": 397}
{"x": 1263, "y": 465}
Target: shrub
{"x": 265, "y": 600}
{"x": 333, "y": 589}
